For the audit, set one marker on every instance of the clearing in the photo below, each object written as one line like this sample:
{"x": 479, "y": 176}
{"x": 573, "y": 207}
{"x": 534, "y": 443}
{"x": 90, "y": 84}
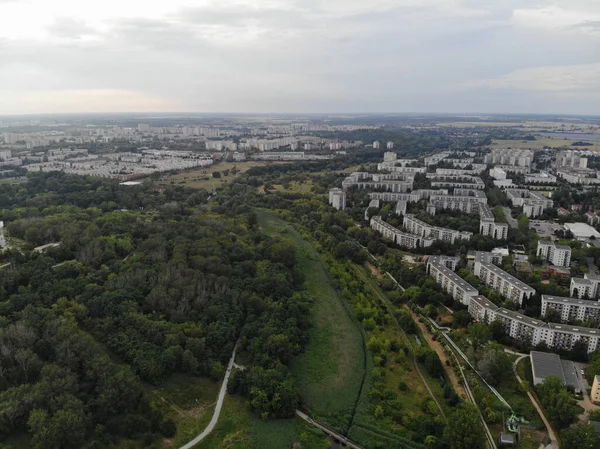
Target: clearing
{"x": 330, "y": 371}
{"x": 202, "y": 178}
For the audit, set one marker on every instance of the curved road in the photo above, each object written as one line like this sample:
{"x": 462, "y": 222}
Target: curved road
{"x": 217, "y": 412}
{"x": 553, "y": 441}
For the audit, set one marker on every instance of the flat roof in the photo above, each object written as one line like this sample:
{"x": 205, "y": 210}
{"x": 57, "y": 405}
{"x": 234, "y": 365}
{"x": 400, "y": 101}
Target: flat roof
{"x": 582, "y": 230}
{"x": 520, "y": 317}
{"x": 575, "y": 301}
{"x": 586, "y": 331}
{"x": 545, "y": 364}
{"x": 508, "y": 277}
{"x": 454, "y": 277}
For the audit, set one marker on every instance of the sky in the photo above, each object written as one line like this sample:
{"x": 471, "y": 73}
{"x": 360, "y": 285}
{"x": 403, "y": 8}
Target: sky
{"x": 353, "y": 56}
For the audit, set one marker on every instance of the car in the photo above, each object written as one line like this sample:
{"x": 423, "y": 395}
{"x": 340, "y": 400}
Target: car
{"x": 582, "y": 373}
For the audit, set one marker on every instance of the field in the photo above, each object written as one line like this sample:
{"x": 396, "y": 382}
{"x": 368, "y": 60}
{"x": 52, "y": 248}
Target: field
{"x": 196, "y": 178}
{"x": 541, "y": 142}
{"x": 331, "y": 369}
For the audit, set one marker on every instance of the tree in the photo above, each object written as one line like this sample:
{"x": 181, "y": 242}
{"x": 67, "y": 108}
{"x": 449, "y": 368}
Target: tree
{"x": 495, "y": 364}
{"x": 558, "y": 402}
{"x": 480, "y": 334}
{"x": 580, "y": 436}
{"x": 466, "y": 431}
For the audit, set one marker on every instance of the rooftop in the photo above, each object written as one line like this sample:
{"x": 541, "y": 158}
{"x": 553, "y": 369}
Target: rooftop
{"x": 574, "y": 301}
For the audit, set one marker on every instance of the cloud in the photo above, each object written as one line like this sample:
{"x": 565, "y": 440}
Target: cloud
{"x": 557, "y": 18}
{"x": 584, "y": 77}
{"x": 85, "y": 101}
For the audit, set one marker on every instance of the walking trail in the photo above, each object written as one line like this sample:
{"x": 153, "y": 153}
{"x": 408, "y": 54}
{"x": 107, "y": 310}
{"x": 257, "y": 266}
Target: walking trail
{"x": 217, "y": 412}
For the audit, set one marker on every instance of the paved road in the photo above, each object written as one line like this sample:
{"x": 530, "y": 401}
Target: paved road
{"x": 332, "y": 433}
{"x": 512, "y": 222}
{"x": 592, "y": 265}
{"x": 217, "y": 412}
{"x": 553, "y": 441}
{"x": 586, "y": 402}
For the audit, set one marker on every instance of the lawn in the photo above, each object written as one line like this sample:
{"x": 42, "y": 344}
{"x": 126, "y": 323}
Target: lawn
{"x": 202, "y": 178}
{"x": 331, "y": 369}
{"x": 238, "y": 428}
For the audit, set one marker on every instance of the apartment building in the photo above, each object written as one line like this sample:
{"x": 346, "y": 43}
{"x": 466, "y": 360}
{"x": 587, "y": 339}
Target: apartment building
{"x": 571, "y": 309}
{"x": 397, "y": 236}
{"x": 533, "y": 203}
{"x": 420, "y": 228}
{"x": 449, "y": 262}
{"x": 559, "y": 255}
{"x": 337, "y": 198}
{"x": 372, "y": 204}
{"x": 456, "y": 181}
{"x": 498, "y": 174}
{"x": 518, "y": 326}
{"x": 570, "y": 159}
{"x": 436, "y": 158}
{"x": 391, "y": 182}
{"x": 583, "y": 176}
{"x": 488, "y": 225}
{"x": 450, "y": 282}
{"x": 540, "y": 178}
{"x": 509, "y": 156}
{"x": 520, "y": 170}
{"x": 585, "y": 287}
{"x": 465, "y": 200}
{"x": 505, "y": 284}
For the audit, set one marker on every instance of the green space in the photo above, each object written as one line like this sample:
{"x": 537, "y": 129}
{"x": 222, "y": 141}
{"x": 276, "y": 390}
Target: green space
{"x": 239, "y": 428}
{"x": 331, "y": 369}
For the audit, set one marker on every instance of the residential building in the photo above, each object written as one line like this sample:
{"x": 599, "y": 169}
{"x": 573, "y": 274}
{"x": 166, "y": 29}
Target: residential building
{"x": 436, "y": 158}
{"x": 337, "y": 198}
{"x": 465, "y": 200}
{"x": 585, "y": 287}
{"x": 595, "y": 394}
{"x": 562, "y": 211}
{"x": 559, "y": 255}
{"x": 533, "y": 203}
{"x": 488, "y": 225}
{"x": 571, "y": 309}
{"x": 497, "y": 173}
{"x": 509, "y": 156}
{"x": 420, "y": 228}
{"x": 392, "y": 182}
{"x": 517, "y": 169}
{"x": 557, "y": 336}
{"x": 570, "y": 159}
{"x": 372, "y": 204}
{"x": 540, "y": 178}
{"x": 390, "y": 145}
{"x": 583, "y": 176}
{"x": 376, "y": 145}
{"x": 592, "y": 218}
{"x": 506, "y": 284}
{"x": 450, "y": 282}
{"x": 397, "y": 236}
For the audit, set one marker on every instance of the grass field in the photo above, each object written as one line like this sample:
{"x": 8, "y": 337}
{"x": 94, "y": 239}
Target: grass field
{"x": 330, "y": 370}
{"x": 238, "y": 428}
{"x": 196, "y": 178}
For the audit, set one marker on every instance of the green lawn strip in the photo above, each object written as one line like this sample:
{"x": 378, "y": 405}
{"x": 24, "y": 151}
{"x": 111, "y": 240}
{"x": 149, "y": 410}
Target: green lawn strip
{"x": 239, "y": 428}
{"x": 331, "y": 369}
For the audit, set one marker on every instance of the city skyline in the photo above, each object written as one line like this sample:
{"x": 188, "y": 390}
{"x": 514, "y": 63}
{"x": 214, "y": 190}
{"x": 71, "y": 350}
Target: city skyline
{"x": 439, "y": 56}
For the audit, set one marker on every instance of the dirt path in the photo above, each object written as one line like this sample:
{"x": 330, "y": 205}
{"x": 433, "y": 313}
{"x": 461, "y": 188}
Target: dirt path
{"x": 375, "y": 271}
{"x": 439, "y": 349}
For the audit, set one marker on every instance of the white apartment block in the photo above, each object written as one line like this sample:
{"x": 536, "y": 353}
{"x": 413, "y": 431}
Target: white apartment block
{"x": 397, "y": 236}
{"x": 456, "y": 172}
{"x": 498, "y": 173}
{"x": 456, "y": 182}
{"x": 390, "y": 145}
{"x": 585, "y": 287}
{"x": 570, "y": 159}
{"x": 559, "y": 255}
{"x": 533, "y": 203}
{"x": 465, "y": 200}
{"x": 436, "y": 158}
{"x": 412, "y": 197}
{"x": 418, "y": 227}
{"x": 584, "y": 176}
{"x": 488, "y": 225}
{"x": 337, "y": 198}
{"x": 520, "y": 327}
{"x": 450, "y": 282}
{"x": 571, "y": 309}
{"x": 509, "y": 156}
{"x": 540, "y": 178}
{"x": 505, "y": 284}
{"x": 514, "y": 169}
{"x": 376, "y": 145}
{"x": 392, "y": 182}
{"x": 372, "y": 204}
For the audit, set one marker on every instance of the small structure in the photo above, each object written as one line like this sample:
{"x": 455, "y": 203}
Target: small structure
{"x": 582, "y": 231}
{"x": 546, "y": 364}
{"x": 595, "y": 395}
{"x": 507, "y": 439}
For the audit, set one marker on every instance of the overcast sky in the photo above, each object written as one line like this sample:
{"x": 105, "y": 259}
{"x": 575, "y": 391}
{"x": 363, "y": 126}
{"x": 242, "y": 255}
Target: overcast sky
{"x": 300, "y": 56}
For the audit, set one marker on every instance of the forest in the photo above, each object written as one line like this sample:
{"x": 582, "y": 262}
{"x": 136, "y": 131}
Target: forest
{"x": 141, "y": 284}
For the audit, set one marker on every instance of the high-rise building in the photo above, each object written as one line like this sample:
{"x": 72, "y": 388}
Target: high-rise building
{"x": 337, "y": 198}
{"x": 390, "y": 145}
{"x": 570, "y": 159}
{"x": 559, "y": 255}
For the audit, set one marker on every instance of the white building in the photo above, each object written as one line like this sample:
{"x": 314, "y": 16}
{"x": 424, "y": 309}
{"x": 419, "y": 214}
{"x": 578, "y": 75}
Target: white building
{"x": 510, "y": 156}
{"x": 337, "y": 198}
{"x": 533, "y": 203}
{"x": 570, "y": 159}
{"x": 452, "y": 283}
{"x": 420, "y": 228}
{"x": 559, "y": 255}
{"x": 376, "y": 144}
{"x": 397, "y": 236}
{"x": 488, "y": 225}
{"x": 540, "y": 178}
{"x": 585, "y": 287}
{"x": 571, "y": 309}
{"x": 505, "y": 284}
{"x": 390, "y": 145}
{"x": 497, "y": 173}
{"x": 582, "y": 231}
